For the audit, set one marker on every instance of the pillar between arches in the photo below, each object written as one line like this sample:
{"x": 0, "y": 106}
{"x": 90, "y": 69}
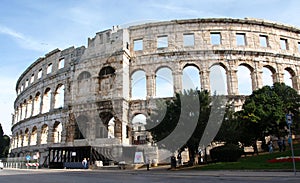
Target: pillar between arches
{"x": 232, "y": 86}
{"x": 177, "y": 81}
{"x": 150, "y": 81}
{"x": 204, "y": 80}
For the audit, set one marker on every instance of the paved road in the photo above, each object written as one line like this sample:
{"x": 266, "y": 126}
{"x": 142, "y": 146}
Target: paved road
{"x": 157, "y": 176}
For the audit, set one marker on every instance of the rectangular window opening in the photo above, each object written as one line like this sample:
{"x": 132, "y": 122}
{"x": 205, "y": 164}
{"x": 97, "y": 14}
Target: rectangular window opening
{"x": 299, "y": 46}
{"x": 215, "y": 38}
{"x": 263, "y": 40}
{"x": 162, "y": 42}
{"x": 61, "y": 63}
{"x": 49, "y": 69}
{"x": 138, "y": 45}
{"x": 26, "y": 83}
{"x": 32, "y": 78}
{"x": 283, "y": 44}
{"x": 40, "y": 73}
{"x": 188, "y": 40}
{"x": 240, "y": 39}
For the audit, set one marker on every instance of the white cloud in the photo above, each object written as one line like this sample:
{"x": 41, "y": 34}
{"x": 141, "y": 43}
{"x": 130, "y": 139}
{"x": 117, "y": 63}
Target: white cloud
{"x": 25, "y": 41}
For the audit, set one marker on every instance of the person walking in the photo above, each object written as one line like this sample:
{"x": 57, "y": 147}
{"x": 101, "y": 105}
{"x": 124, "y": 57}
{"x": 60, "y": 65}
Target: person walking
{"x": 84, "y": 163}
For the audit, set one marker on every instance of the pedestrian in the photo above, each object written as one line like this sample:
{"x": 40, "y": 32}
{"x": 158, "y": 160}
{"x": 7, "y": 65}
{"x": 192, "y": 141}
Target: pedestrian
{"x": 270, "y": 146}
{"x": 84, "y": 163}
{"x": 179, "y": 158}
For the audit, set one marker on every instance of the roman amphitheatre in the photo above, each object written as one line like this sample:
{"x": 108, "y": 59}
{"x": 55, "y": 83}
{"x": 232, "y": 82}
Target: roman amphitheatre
{"x": 92, "y": 101}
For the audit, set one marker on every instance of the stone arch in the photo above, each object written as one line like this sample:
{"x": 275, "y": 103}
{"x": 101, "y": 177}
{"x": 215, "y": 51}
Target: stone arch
{"x": 23, "y": 108}
{"x": 83, "y": 82}
{"x": 218, "y": 79}
{"x": 138, "y": 84}
{"x": 57, "y": 132}
{"x": 244, "y": 78}
{"x": 268, "y": 75}
{"x": 29, "y": 106}
{"x": 83, "y": 76}
{"x": 139, "y": 134}
{"x": 191, "y": 77}
{"x": 107, "y": 76}
{"x": 15, "y": 140}
{"x": 37, "y": 104}
{"x": 289, "y": 77}
{"x": 44, "y": 134}
{"x": 104, "y": 124}
{"x": 106, "y": 71}
{"x": 46, "y": 100}
{"x": 33, "y": 136}
{"x": 81, "y": 127}
{"x": 164, "y": 82}
{"x": 111, "y": 128}
{"x": 26, "y": 137}
{"x": 20, "y": 139}
{"x": 59, "y": 96}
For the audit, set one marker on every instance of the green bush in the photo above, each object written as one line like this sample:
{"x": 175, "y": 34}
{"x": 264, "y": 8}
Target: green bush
{"x": 226, "y": 153}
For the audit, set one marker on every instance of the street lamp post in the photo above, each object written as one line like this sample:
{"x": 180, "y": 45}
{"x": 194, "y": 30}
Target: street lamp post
{"x": 289, "y": 122}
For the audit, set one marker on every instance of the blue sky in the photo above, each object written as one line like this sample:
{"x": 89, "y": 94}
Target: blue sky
{"x": 31, "y": 28}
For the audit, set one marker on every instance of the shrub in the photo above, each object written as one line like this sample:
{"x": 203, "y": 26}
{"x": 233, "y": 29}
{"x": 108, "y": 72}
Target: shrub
{"x": 226, "y": 153}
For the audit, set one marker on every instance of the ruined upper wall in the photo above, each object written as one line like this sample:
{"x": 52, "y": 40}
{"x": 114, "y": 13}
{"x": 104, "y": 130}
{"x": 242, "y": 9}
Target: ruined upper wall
{"x": 202, "y": 29}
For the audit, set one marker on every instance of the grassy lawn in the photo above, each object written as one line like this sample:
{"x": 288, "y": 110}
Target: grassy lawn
{"x": 259, "y": 162}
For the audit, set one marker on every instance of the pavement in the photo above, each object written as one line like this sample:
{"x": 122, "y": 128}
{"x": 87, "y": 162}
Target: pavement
{"x": 182, "y": 172}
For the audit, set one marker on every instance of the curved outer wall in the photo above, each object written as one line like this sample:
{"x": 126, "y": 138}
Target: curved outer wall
{"x": 97, "y": 80}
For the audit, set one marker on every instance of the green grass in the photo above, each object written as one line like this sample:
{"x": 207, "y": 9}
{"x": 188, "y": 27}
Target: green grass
{"x": 259, "y": 162}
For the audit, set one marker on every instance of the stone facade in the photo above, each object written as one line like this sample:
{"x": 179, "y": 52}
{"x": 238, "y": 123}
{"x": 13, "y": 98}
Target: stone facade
{"x": 69, "y": 97}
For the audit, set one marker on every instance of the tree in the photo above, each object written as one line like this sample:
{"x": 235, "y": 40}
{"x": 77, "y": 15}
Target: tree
{"x": 181, "y": 120}
{"x": 4, "y": 143}
{"x": 264, "y": 112}
{"x": 229, "y": 127}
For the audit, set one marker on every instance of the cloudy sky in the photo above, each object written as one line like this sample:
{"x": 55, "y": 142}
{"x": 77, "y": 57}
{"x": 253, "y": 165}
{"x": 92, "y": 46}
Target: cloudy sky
{"x": 31, "y": 28}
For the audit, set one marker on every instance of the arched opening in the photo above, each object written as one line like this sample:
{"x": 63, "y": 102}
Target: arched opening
{"x": 26, "y": 138}
{"x": 83, "y": 81}
{"x": 267, "y": 76}
{"x": 191, "y": 78}
{"x": 37, "y": 104}
{"x": 138, "y": 85}
{"x": 46, "y": 101}
{"x": 33, "y": 136}
{"x": 81, "y": 127}
{"x": 105, "y": 127}
{"x": 44, "y": 134}
{"x": 164, "y": 83}
{"x": 23, "y": 107}
{"x": 106, "y": 78}
{"x": 59, "y": 96}
{"x": 16, "y": 139}
{"x": 29, "y": 107}
{"x": 218, "y": 80}
{"x": 111, "y": 128}
{"x": 288, "y": 77}
{"x": 244, "y": 80}
{"x": 139, "y": 132}
{"x": 57, "y": 130}
{"x": 20, "y": 139}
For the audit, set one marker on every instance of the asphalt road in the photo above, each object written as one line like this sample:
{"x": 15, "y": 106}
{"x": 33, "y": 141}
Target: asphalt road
{"x": 158, "y": 176}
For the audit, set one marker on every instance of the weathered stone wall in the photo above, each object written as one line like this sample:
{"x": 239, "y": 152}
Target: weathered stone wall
{"x": 98, "y": 79}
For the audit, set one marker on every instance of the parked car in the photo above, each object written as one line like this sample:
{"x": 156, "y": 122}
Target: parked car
{"x": 1, "y": 165}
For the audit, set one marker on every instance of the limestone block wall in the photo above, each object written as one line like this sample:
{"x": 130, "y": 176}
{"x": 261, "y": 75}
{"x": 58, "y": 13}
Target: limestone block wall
{"x": 94, "y": 85}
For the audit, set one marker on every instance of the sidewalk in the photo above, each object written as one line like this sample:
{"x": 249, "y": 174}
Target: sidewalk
{"x": 220, "y": 173}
